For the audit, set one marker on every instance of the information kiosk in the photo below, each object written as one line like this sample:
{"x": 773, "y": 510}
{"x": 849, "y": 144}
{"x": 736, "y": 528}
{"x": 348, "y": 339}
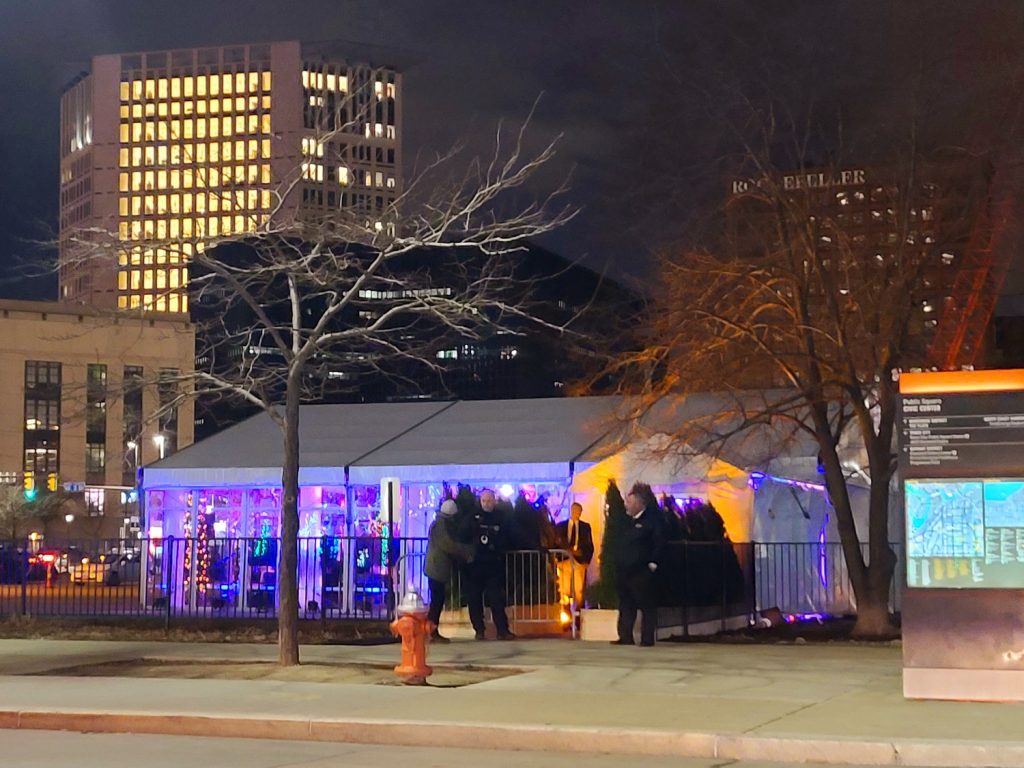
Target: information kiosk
{"x": 961, "y": 465}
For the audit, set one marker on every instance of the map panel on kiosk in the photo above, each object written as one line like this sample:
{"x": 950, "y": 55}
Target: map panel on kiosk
{"x": 965, "y": 533}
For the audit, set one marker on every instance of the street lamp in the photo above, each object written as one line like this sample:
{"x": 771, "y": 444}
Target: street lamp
{"x": 160, "y": 441}
{"x": 69, "y": 519}
{"x": 133, "y": 445}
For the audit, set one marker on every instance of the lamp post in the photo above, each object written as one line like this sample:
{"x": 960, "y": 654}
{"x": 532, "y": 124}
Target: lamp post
{"x": 69, "y": 519}
{"x": 133, "y": 445}
{"x": 160, "y": 441}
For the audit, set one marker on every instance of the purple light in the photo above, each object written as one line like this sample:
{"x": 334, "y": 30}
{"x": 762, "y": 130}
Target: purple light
{"x": 757, "y": 478}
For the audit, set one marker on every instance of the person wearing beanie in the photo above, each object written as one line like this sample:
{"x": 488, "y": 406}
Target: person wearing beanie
{"x": 444, "y": 551}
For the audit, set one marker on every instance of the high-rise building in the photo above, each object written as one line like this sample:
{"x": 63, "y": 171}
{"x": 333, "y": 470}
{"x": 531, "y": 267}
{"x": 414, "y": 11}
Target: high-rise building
{"x": 164, "y": 150}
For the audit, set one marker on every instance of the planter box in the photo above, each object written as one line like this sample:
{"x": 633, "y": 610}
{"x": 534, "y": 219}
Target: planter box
{"x": 599, "y": 625}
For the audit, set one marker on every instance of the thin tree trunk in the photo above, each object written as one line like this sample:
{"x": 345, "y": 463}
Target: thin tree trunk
{"x": 288, "y": 609}
{"x": 873, "y": 615}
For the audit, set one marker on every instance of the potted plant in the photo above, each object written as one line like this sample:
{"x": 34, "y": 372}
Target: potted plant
{"x": 599, "y": 619}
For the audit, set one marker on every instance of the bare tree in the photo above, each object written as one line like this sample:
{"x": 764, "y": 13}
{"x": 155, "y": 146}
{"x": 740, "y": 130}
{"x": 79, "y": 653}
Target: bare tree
{"x": 16, "y": 512}
{"x": 828, "y": 278}
{"x": 310, "y": 298}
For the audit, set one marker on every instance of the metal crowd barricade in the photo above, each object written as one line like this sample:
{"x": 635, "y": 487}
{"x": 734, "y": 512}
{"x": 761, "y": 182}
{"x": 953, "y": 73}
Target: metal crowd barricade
{"x": 364, "y": 577}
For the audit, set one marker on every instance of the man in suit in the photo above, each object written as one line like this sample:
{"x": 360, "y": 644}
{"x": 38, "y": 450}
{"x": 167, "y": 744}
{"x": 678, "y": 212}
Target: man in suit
{"x": 576, "y": 538}
{"x": 637, "y": 556}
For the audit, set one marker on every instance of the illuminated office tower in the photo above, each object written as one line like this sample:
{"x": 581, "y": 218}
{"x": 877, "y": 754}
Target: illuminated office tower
{"x": 165, "y": 150}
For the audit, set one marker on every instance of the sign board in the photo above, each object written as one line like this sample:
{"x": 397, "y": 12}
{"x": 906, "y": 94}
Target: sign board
{"x": 961, "y": 460}
{"x": 74, "y": 487}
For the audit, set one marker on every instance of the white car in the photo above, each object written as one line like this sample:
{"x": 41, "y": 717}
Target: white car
{"x": 111, "y": 569}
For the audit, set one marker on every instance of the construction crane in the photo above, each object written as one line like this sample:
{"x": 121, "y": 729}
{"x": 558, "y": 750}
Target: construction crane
{"x": 968, "y": 310}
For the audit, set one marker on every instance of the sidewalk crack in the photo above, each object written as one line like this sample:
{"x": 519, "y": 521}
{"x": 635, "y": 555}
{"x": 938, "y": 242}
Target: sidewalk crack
{"x": 796, "y": 711}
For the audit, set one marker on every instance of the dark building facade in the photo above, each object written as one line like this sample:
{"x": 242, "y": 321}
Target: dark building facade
{"x": 560, "y": 315}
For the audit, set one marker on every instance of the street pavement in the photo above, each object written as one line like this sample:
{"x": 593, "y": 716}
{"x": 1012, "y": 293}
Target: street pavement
{"x": 42, "y": 749}
{"x": 837, "y": 703}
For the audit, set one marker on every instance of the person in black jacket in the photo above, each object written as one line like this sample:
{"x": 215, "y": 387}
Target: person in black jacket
{"x": 637, "y": 556}
{"x": 487, "y": 571}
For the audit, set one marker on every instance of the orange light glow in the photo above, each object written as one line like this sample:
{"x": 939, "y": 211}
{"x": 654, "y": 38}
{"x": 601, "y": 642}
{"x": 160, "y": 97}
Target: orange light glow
{"x": 565, "y": 618}
{"x": 961, "y": 381}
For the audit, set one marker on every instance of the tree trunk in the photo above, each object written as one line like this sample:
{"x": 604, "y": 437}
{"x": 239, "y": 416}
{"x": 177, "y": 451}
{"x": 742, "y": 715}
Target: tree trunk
{"x": 873, "y": 618}
{"x": 288, "y": 595}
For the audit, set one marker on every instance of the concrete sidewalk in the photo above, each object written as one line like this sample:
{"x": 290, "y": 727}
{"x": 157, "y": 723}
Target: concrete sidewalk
{"x": 798, "y": 703}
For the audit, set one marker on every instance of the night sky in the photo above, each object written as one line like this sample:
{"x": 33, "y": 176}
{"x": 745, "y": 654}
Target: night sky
{"x": 623, "y": 81}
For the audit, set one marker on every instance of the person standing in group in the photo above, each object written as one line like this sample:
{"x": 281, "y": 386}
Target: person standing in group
{"x": 637, "y": 556}
{"x": 486, "y": 574}
{"x": 444, "y": 550}
{"x": 576, "y": 538}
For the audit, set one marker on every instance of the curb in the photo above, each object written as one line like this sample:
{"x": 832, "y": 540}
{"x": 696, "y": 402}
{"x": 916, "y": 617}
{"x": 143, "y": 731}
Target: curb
{"x": 418, "y": 733}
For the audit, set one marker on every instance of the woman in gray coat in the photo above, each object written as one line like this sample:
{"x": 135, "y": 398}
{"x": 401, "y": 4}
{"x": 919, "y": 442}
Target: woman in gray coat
{"x": 443, "y": 551}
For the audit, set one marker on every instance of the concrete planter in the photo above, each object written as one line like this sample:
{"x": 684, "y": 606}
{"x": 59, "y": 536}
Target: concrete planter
{"x": 598, "y": 624}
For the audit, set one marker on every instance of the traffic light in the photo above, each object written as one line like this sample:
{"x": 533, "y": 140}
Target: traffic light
{"x": 30, "y": 486}
{"x": 51, "y": 482}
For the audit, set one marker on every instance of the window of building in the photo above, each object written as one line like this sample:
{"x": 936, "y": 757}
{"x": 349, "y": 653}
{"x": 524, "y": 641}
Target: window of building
{"x": 167, "y": 392}
{"x": 41, "y": 432}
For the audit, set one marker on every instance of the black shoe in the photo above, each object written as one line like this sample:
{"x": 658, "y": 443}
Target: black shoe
{"x": 437, "y": 637}
{"x": 621, "y": 642}
{"x": 479, "y": 636}
{"x": 506, "y": 636}
{"x": 647, "y": 645}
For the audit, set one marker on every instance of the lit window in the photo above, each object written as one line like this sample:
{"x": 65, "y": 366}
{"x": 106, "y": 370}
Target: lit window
{"x": 162, "y": 88}
{"x": 122, "y": 182}
{"x": 122, "y": 206}
{"x": 122, "y": 302}
{"x": 122, "y": 159}
{"x": 161, "y": 109}
{"x": 176, "y": 88}
{"x": 343, "y": 176}
{"x": 124, "y": 133}
{"x": 122, "y": 281}
{"x": 265, "y": 198}
{"x": 266, "y": 81}
{"x": 265, "y": 149}
{"x": 265, "y": 123}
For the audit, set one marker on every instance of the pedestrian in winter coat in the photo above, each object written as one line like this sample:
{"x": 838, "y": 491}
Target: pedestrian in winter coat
{"x": 444, "y": 553}
{"x": 637, "y": 557}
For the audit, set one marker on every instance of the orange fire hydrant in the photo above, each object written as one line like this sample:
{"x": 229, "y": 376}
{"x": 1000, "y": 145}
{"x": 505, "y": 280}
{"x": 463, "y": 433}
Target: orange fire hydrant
{"x": 413, "y": 626}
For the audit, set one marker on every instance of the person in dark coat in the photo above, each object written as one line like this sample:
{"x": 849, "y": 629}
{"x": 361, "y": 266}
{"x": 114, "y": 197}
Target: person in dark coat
{"x": 444, "y": 550}
{"x": 486, "y": 574}
{"x": 576, "y": 538}
{"x": 637, "y": 557}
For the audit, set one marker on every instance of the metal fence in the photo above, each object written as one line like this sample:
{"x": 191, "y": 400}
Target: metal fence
{"x": 802, "y": 578}
{"x": 365, "y": 577}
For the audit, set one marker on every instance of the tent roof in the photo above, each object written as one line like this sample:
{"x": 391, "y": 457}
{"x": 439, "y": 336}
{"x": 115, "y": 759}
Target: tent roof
{"x": 534, "y": 439}
{"x": 331, "y": 437}
{"x": 483, "y": 440}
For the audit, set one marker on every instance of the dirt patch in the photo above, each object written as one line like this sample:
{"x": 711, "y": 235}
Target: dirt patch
{"x": 359, "y": 674}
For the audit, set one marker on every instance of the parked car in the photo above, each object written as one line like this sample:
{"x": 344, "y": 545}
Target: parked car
{"x": 59, "y": 561}
{"x": 110, "y": 569}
